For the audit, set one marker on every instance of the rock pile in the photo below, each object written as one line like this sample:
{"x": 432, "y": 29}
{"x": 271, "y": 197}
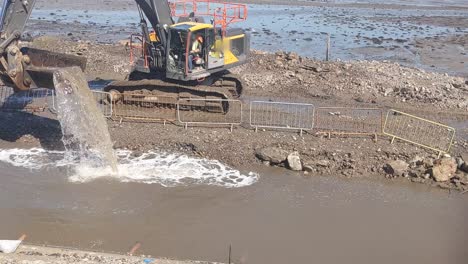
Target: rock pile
{"x": 368, "y": 81}
{"x": 445, "y": 172}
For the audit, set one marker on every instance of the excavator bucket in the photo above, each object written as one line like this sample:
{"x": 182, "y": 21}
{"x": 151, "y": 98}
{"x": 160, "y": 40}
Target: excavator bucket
{"x": 49, "y": 59}
{"x": 33, "y": 68}
{"x": 44, "y": 63}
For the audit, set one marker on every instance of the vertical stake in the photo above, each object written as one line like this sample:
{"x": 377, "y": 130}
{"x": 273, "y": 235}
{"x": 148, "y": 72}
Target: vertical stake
{"x": 186, "y": 126}
{"x": 230, "y": 250}
{"x": 328, "y": 47}
{"x": 232, "y": 127}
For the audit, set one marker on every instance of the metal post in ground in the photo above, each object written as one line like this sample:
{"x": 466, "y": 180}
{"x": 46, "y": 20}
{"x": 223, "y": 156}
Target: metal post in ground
{"x": 328, "y": 47}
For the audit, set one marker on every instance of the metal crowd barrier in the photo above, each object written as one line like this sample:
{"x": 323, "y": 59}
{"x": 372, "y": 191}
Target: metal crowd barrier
{"x": 282, "y": 115}
{"x": 419, "y": 131}
{"x": 263, "y": 114}
{"x": 135, "y": 106}
{"x": 32, "y": 100}
{"x": 349, "y": 121}
{"x": 218, "y": 112}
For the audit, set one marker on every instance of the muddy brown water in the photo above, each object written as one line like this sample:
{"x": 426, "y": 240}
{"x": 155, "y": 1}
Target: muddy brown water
{"x": 283, "y": 218}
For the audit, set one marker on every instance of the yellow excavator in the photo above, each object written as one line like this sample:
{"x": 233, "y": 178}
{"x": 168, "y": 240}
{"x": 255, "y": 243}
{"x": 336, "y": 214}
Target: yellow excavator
{"x": 165, "y": 66}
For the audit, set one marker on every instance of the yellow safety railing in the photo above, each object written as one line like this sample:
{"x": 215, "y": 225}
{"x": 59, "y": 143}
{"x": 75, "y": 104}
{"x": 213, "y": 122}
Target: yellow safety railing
{"x": 419, "y": 131}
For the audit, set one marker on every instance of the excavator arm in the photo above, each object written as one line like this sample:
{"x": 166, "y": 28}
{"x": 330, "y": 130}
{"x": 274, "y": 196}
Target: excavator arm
{"x": 24, "y": 68}
{"x": 14, "y": 16}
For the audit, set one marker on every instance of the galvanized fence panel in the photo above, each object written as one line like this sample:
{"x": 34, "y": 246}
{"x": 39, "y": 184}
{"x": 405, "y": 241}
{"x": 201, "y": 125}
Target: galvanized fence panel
{"x": 104, "y": 100}
{"x": 345, "y": 120}
{"x": 419, "y": 131}
{"x": 150, "y": 108}
{"x": 282, "y": 115}
{"x": 216, "y": 112}
{"x": 37, "y": 99}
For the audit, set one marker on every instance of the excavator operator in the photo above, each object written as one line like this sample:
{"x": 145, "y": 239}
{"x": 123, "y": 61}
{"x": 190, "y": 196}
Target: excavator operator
{"x": 195, "y": 52}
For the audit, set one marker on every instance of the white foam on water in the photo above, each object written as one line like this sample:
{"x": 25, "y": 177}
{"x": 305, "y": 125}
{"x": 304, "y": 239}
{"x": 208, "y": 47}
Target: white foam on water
{"x": 152, "y": 167}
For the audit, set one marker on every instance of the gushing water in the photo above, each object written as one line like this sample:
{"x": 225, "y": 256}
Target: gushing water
{"x": 89, "y": 152}
{"x": 85, "y": 132}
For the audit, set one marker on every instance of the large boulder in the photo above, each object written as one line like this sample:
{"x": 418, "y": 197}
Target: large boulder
{"x": 272, "y": 155}
{"x": 396, "y": 167}
{"x": 294, "y": 161}
{"x": 444, "y": 169}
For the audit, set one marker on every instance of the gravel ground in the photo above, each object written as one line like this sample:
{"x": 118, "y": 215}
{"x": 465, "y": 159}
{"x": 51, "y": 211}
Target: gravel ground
{"x": 375, "y": 83}
{"x": 285, "y": 76}
{"x": 288, "y": 75}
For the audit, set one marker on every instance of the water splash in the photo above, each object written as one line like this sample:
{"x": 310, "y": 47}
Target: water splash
{"x": 89, "y": 154}
{"x": 152, "y": 167}
{"x": 85, "y": 132}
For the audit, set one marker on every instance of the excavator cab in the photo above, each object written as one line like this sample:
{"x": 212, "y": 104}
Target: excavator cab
{"x": 217, "y": 53}
{"x": 182, "y": 62}
{"x": 166, "y": 48}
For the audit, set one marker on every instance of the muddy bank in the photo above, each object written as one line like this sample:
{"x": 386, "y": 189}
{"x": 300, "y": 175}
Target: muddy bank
{"x": 32, "y": 254}
{"x": 348, "y": 157}
{"x": 342, "y": 156}
{"x": 290, "y": 77}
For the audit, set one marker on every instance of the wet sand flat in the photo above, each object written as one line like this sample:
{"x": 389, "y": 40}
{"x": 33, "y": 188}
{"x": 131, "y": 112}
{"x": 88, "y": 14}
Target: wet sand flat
{"x": 412, "y": 35}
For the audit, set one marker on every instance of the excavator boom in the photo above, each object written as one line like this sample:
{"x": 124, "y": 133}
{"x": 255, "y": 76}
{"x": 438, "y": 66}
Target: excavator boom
{"x": 23, "y": 68}
{"x": 14, "y": 17}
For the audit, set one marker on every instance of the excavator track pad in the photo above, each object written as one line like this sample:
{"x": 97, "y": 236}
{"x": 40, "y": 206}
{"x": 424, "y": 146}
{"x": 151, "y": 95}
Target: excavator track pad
{"x": 156, "y": 93}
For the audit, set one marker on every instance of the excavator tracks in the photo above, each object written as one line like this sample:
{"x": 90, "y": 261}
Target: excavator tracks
{"x": 150, "y": 94}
